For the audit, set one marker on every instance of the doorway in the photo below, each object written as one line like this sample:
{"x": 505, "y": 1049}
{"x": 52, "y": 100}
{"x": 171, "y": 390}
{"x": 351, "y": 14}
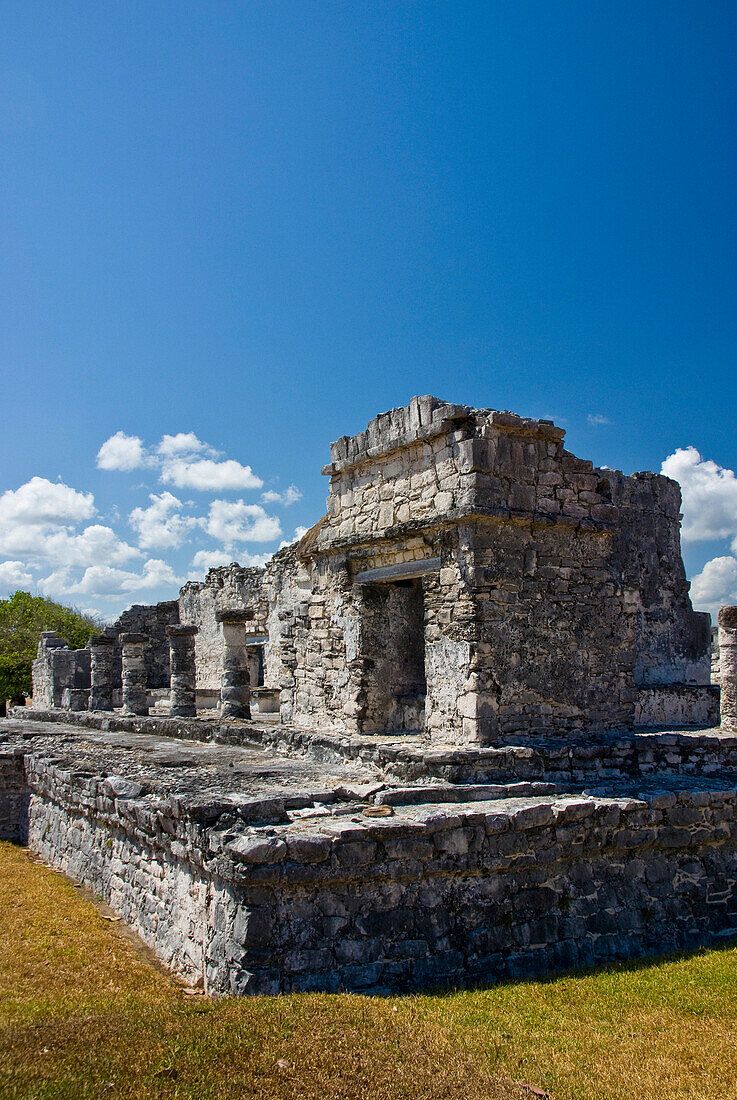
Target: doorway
{"x": 394, "y": 657}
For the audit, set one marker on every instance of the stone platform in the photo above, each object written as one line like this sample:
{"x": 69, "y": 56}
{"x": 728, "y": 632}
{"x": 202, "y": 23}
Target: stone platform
{"x": 255, "y": 857}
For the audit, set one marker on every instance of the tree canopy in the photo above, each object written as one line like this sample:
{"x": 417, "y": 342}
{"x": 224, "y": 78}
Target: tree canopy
{"x": 22, "y": 619}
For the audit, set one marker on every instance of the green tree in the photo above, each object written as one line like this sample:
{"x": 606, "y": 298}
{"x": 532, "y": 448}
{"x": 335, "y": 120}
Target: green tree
{"x": 22, "y": 618}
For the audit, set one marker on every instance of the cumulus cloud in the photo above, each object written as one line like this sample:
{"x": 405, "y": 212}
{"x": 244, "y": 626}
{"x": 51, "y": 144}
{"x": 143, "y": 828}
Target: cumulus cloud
{"x": 161, "y": 525}
{"x": 709, "y": 495}
{"x": 206, "y": 474}
{"x": 121, "y": 452}
{"x": 105, "y": 581}
{"x": 595, "y": 420}
{"x": 289, "y": 496}
{"x": 715, "y": 586}
{"x": 183, "y": 460}
{"x": 13, "y": 575}
{"x": 47, "y": 529}
{"x": 232, "y": 521}
{"x": 299, "y": 532}
{"x": 37, "y": 524}
{"x": 211, "y": 559}
{"x": 63, "y": 548}
{"x": 184, "y": 443}
{"x": 42, "y": 503}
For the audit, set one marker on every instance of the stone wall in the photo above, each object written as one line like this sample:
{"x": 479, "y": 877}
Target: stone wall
{"x": 14, "y": 795}
{"x": 672, "y": 705}
{"x": 151, "y": 620}
{"x": 558, "y": 587}
{"x": 57, "y": 668}
{"x": 479, "y": 892}
{"x": 672, "y": 643}
{"x": 472, "y": 581}
{"x": 231, "y": 586}
{"x": 288, "y": 589}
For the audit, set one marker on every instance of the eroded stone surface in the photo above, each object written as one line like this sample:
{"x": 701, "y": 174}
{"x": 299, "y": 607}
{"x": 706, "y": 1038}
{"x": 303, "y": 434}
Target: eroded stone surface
{"x": 258, "y": 871}
{"x": 472, "y": 581}
{"x": 469, "y": 656}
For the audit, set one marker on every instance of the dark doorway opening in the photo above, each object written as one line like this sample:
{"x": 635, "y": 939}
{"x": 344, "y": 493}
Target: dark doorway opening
{"x": 394, "y": 657}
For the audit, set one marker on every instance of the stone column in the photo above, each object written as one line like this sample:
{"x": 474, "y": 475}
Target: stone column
{"x": 235, "y": 687}
{"x": 728, "y": 667}
{"x": 74, "y": 698}
{"x": 135, "y": 696}
{"x": 182, "y": 671}
{"x": 101, "y": 672}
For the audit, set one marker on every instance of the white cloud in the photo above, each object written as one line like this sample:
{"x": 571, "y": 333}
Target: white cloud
{"x": 211, "y": 559}
{"x": 299, "y": 532}
{"x": 207, "y": 475}
{"x": 104, "y": 580}
{"x": 121, "y": 452}
{"x": 61, "y": 547}
{"x": 715, "y": 586}
{"x": 595, "y": 420}
{"x": 231, "y": 521}
{"x": 94, "y": 543}
{"x": 184, "y": 461}
{"x": 43, "y": 503}
{"x": 13, "y": 575}
{"x": 289, "y": 496}
{"x": 184, "y": 443}
{"x": 709, "y": 495}
{"x": 161, "y": 525}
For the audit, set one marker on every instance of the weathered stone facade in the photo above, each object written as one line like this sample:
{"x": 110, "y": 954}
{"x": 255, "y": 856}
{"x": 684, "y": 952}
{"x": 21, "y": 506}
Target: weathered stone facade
{"x": 225, "y": 587}
{"x": 56, "y": 669}
{"x": 511, "y": 587}
{"x": 475, "y": 655}
{"x": 472, "y": 581}
{"x": 342, "y": 874}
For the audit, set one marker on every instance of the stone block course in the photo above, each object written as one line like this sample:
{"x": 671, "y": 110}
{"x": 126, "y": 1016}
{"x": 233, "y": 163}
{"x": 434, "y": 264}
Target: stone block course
{"x": 471, "y": 653}
{"x": 324, "y": 897}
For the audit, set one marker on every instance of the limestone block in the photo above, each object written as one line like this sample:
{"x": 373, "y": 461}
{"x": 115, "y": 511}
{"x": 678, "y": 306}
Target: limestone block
{"x": 183, "y": 675}
{"x": 728, "y": 666}
{"x": 134, "y": 675}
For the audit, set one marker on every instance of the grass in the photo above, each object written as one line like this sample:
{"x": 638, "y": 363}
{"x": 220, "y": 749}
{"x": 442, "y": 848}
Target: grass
{"x": 84, "y": 1013}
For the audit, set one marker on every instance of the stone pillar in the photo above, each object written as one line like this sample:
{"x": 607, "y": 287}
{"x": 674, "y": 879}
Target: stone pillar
{"x": 182, "y": 671}
{"x": 74, "y": 698}
{"x": 728, "y": 667}
{"x": 101, "y": 672}
{"x": 135, "y": 696}
{"x": 235, "y": 687}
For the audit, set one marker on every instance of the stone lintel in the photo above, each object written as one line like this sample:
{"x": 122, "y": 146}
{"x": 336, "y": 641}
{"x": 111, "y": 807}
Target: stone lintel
{"x": 99, "y": 639}
{"x": 234, "y": 614}
{"x": 453, "y": 518}
{"x": 133, "y": 639}
{"x": 404, "y": 570}
{"x": 182, "y": 630}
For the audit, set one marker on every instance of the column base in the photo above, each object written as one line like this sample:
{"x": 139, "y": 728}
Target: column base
{"x": 235, "y": 710}
{"x": 184, "y": 711}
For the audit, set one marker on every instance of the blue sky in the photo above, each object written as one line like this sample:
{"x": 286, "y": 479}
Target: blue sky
{"x": 246, "y": 228}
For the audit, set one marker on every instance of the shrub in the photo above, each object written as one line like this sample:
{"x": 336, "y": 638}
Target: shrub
{"x": 22, "y": 619}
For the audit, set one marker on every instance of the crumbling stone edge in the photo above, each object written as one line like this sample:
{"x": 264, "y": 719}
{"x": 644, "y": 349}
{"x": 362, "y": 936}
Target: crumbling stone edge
{"x": 454, "y": 896}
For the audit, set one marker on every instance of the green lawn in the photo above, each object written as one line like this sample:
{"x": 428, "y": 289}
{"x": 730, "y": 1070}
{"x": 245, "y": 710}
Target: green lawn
{"x": 84, "y": 1014}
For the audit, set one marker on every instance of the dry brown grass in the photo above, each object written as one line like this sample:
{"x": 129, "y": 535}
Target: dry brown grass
{"x": 83, "y": 1013}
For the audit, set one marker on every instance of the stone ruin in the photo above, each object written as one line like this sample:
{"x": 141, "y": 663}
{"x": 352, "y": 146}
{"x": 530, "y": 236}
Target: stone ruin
{"x": 471, "y": 580}
{"x": 464, "y": 729}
